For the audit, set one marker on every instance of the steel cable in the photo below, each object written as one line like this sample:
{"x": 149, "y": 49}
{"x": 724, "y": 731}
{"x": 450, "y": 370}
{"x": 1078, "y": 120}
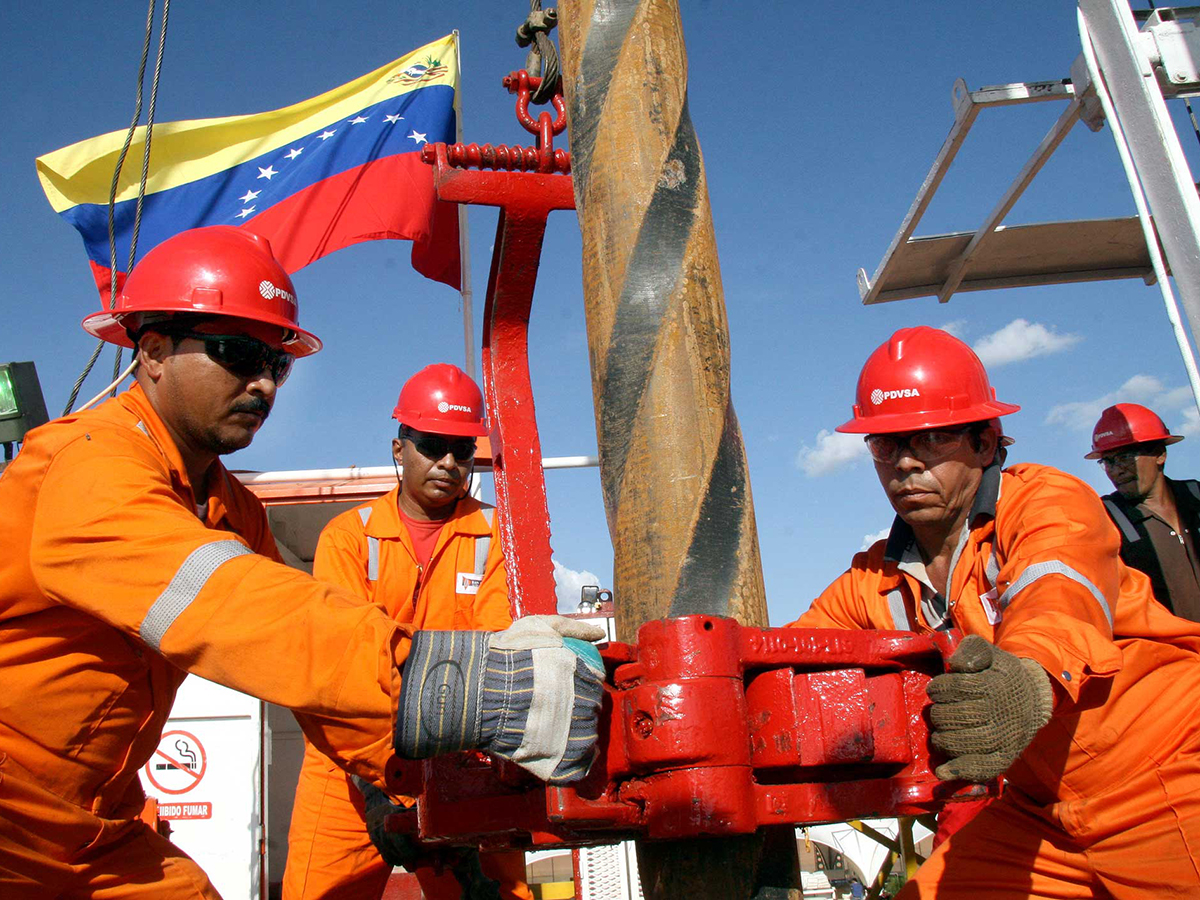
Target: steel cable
{"x": 112, "y": 194}
{"x": 542, "y": 59}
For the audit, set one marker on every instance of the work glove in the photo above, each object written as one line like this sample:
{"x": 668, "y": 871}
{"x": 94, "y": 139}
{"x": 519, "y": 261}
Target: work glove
{"x": 396, "y": 849}
{"x": 475, "y": 885}
{"x": 530, "y": 694}
{"x": 400, "y": 850}
{"x": 986, "y": 709}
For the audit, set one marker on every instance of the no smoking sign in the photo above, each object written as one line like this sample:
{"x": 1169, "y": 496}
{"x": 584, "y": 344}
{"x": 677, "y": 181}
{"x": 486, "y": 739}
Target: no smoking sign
{"x": 178, "y": 764}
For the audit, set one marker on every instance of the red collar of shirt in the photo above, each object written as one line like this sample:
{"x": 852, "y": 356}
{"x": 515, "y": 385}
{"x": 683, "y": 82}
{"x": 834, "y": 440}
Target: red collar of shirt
{"x": 385, "y": 521}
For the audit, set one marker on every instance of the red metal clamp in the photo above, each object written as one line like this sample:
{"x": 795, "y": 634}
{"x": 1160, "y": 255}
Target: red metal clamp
{"x": 713, "y": 728}
{"x": 526, "y": 183}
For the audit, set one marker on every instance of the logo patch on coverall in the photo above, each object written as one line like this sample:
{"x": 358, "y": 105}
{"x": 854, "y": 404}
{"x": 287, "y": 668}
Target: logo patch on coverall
{"x": 468, "y": 583}
{"x": 991, "y": 606}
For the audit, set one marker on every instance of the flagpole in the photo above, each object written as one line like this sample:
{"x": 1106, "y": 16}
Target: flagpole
{"x": 464, "y": 239}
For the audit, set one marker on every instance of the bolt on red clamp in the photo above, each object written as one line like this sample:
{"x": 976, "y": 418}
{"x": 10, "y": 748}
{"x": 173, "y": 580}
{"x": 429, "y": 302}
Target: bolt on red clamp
{"x": 713, "y": 728}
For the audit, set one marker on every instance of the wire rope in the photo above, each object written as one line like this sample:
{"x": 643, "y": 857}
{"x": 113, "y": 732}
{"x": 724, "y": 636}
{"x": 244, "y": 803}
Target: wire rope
{"x": 112, "y": 194}
{"x": 542, "y": 59}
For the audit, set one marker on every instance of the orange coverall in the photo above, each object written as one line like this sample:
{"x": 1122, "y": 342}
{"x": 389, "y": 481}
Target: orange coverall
{"x": 368, "y": 551}
{"x": 1106, "y": 799}
{"x": 111, "y": 591}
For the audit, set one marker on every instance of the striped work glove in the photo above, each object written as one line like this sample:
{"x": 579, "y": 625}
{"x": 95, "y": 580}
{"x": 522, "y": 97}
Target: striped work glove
{"x": 986, "y": 709}
{"x": 530, "y": 694}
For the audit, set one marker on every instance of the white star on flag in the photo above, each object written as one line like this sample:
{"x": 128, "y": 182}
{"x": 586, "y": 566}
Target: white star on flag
{"x": 418, "y": 137}
{"x": 267, "y": 173}
{"x": 358, "y": 120}
{"x": 246, "y": 212}
{"x": 249, "y": 195}
{"x": 327, "y": 134}
{"x": 294, "y": 152}
{"x": 393, "y": 119}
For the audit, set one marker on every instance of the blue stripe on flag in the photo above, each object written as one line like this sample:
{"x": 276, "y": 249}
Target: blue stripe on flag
{"x": 219, "y": 198}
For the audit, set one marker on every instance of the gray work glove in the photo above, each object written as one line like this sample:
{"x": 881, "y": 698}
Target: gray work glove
{"x": 530, "y": 694}
{"x": 396, "y": 849}
{"x": 986, "y": 709}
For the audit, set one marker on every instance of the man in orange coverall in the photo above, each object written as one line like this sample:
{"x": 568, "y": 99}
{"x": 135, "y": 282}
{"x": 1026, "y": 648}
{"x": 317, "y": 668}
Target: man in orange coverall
{"x": 131, "y": 557}
{"x": 430, "y": 555}
{"x": 1072, "y": 682}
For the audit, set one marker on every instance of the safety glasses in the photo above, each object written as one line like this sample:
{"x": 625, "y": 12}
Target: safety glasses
{"x": 436, "y": 446}
{"x": 927, "y": 446}
{"x": 1120, "y": 458}
{"x": 243, "y": 355}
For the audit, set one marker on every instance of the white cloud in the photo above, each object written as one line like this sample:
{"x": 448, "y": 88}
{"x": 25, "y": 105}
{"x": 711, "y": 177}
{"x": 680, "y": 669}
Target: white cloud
{"x": 1180, "y": 402}
{"x": 1082, "y": 415}
{"x": 833, "y": 451}
{"x": 1019, "y": 340}
{"x": 956, "y": 328}
{"x": 1191, "y": 422}
{"x": 567, "y": 583}
{"x": 870, "y": 539}
{"x": 1180, "y": 398}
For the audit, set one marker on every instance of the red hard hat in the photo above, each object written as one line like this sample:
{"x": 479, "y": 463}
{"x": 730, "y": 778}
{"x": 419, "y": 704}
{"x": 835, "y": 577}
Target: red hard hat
{"x": 442, "y": 399}
{"x": 922, "y": 378}
{"x": 1126, "y": 424}
{"x": 219, "y": 270}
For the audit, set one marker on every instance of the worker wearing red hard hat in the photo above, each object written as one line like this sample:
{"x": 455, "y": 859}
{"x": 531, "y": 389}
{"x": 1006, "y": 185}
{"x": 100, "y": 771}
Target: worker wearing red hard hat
{"x": 430, "y": 555}
{"x": 132, "y": 557}
{"x": 1070, "y": 681}
{"x": 1158, "y": 517}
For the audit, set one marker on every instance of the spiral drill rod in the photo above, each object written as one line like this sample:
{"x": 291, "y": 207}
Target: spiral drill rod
{"x": 672, "y": 463}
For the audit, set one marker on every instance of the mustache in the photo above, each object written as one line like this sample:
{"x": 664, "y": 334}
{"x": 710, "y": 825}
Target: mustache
{"x": 913, "y": 484}
{"x": 256, "y": 405}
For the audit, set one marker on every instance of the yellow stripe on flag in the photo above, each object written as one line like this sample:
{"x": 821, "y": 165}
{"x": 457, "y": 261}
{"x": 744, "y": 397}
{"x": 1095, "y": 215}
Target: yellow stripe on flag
{"x": 187, "y": 151}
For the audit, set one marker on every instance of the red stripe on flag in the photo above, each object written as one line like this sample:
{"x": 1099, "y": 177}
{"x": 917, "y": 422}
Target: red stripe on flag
{"x": 103, "y": 277}
{"x": 392, "y": 197}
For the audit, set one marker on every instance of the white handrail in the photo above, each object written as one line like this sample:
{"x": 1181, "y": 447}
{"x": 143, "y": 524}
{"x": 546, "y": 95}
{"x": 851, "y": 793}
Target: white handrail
{"x": 364, "y": 473}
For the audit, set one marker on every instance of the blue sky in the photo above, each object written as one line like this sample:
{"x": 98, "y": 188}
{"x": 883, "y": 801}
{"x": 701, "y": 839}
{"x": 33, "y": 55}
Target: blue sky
{"x": 817, "y": 125}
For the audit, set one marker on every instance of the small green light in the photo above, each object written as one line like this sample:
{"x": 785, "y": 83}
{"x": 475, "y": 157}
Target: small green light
{"x": 8, "y": 395}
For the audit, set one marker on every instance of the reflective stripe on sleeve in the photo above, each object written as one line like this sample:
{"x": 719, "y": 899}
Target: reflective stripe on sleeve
{"x": 899, "y": 611}
{"x": 185, "y": 586}
{"x": 1053, "y": 567}
{"x": 1122, "y": 521}
{"x": 483, "y": 545}
{"x": 373, "y": 558}
{"x": 372, "y": 547}
{"x": 992, "y": 570}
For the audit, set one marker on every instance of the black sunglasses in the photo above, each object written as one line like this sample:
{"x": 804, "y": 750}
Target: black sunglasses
{"x": 243, "y": 355}
{"x": 436, "y": 446}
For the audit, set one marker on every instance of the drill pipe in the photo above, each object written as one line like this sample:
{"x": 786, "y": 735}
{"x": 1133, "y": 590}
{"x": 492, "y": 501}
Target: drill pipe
{"x": 672, "y": 463}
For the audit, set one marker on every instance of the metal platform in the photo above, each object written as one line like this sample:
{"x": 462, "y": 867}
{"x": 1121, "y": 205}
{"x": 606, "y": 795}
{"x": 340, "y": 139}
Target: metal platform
{"x": 998, "y": 256}
{"x": 1015, "y": 256}
{"x": 1132, "y": 61}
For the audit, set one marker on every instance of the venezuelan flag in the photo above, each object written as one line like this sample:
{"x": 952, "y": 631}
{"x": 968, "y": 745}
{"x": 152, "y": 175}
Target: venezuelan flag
{"x": 312, "y": 178}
